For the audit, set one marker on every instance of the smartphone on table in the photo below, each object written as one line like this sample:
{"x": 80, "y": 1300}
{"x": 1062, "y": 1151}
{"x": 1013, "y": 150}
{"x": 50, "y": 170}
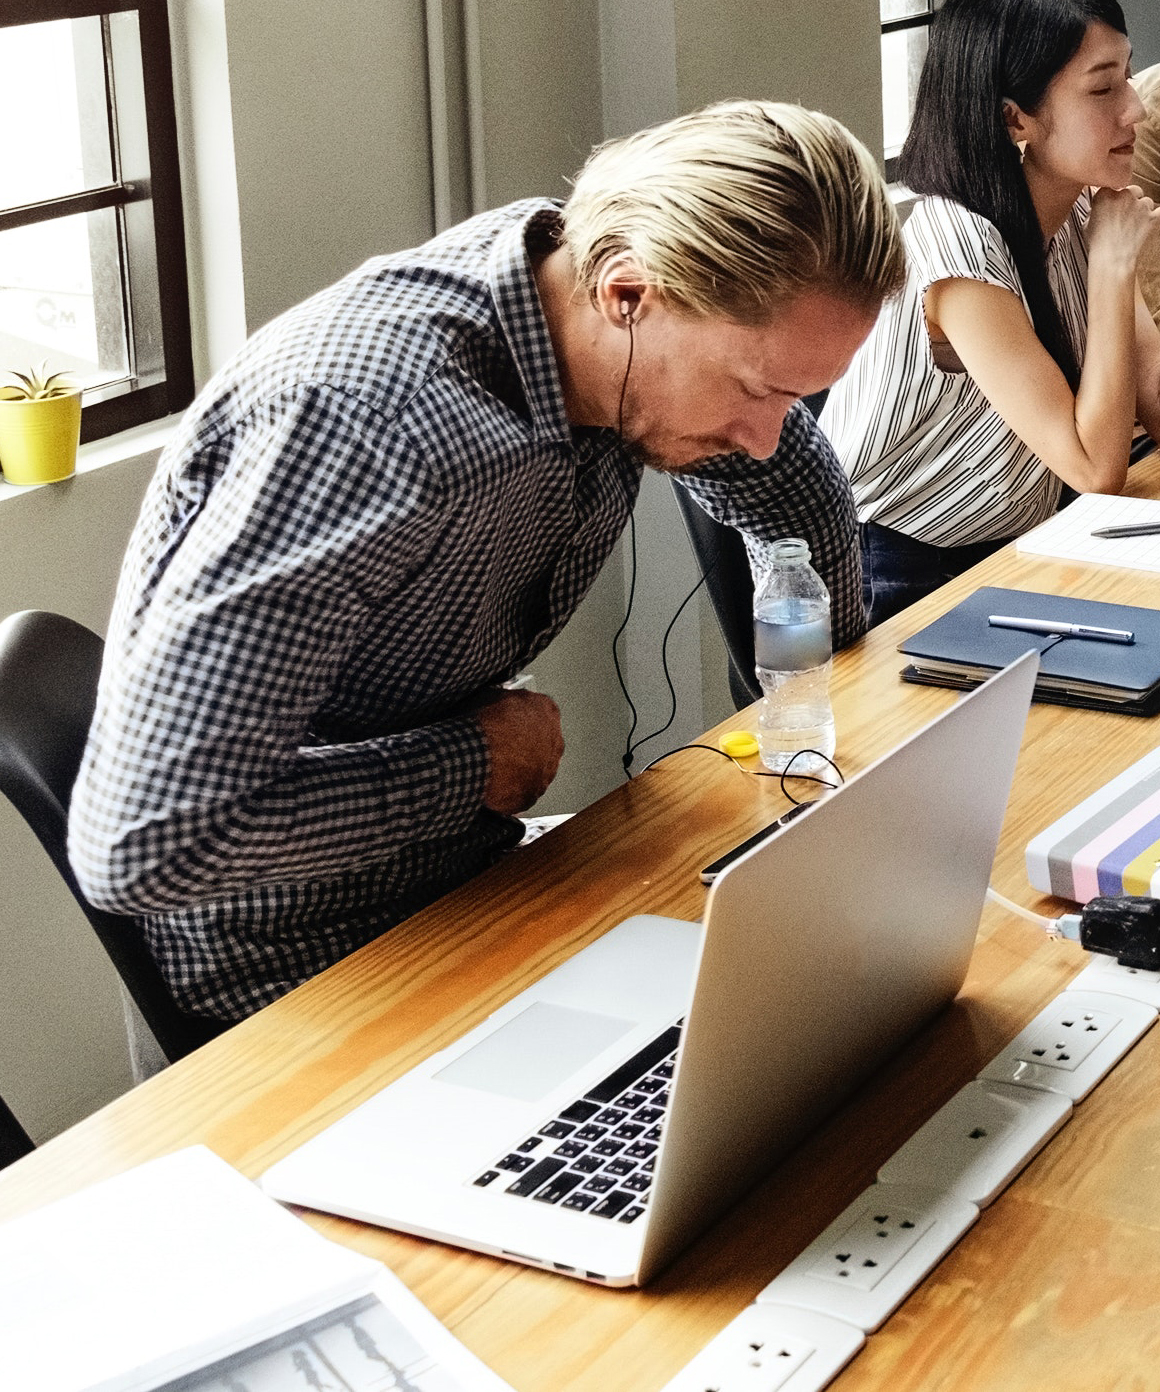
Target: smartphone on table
{"x": 710, "y": 872}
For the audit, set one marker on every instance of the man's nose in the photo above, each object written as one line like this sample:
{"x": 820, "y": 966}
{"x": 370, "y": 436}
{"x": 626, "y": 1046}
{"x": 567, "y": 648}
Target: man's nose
{"x": 758, "y": 436}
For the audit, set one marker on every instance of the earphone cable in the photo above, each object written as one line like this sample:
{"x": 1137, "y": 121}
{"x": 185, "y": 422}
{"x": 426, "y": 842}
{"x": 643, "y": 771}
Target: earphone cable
{"x": 627, "y": 760}
{"x": 631, "y": 748}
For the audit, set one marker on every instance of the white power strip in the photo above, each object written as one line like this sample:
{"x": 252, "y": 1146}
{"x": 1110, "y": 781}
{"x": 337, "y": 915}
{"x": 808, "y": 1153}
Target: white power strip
{"x": 1073, "y": 1043}
{"x": 976, "y": 1144}
{"x": 928, "y": 1193}
{"x": 769, "y": 1348}
{"x": 1106, "y": 974}
{"x": 873, "y": 1254}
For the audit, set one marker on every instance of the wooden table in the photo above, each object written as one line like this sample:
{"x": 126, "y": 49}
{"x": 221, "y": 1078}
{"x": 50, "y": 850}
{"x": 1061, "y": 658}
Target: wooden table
{"x": 1057, "y": 1286}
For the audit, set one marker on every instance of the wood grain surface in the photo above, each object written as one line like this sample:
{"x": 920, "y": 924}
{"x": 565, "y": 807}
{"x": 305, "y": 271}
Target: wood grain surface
{"x": 1058, "y": 1285}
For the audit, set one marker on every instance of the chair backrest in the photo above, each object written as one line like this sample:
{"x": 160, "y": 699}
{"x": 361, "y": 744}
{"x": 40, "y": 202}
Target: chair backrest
{"x": 721, "y": 554}
{"x": 14, "y": 1140}
{"x": 724, "y": 562}
{"x": 49, "y": 666}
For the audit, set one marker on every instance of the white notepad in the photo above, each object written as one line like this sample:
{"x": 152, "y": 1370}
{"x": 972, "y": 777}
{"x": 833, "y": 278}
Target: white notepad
{"x": 158, "y": 1272}
{"x": 1068, "y": 535}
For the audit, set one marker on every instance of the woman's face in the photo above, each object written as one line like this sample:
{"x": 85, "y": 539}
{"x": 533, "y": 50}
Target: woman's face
{"x": 1085, "y": 129}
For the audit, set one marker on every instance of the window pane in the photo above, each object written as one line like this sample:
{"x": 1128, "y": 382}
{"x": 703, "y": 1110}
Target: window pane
{"x": 53, "y": 89}
{"x": 88, "y": 104}
{"x": 60, "y": 297}
{"x": 903, "y": 9}
{"x": 903, "y": 53}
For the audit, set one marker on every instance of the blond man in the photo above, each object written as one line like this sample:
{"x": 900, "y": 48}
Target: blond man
{"x": 399, "y": 492}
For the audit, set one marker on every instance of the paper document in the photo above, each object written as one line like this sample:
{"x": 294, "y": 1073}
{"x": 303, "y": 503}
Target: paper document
{"x": 1068, "y": 535}
{"x": 154, "y": 1275}
{"x": 387, "y": 1342}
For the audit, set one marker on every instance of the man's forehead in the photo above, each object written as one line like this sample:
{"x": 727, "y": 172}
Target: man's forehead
{"x": 813, "y": 321}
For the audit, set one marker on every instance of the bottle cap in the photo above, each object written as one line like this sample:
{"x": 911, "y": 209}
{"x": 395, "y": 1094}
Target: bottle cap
{"x": 739, "y": 744}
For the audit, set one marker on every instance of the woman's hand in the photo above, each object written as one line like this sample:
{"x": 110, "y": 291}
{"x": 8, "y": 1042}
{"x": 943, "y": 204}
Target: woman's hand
{"x": 1122, "y": 221}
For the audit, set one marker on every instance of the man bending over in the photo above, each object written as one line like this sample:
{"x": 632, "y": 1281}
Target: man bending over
{"x": 398, "y": 493}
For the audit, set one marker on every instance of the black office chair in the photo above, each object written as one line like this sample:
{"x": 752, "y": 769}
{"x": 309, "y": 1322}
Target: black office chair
{"x": 49, "y": 667}
{"x": 1141, "y": 449}
{"x": 724, "y": 562}
{"x": 14, "y": 1140}
{"x": 721, "y": 554}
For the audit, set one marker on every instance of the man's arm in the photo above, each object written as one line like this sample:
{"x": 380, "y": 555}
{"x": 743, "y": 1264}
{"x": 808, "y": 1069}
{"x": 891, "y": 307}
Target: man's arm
{"x": 801, "y": 491}
{"x": 203, "y": 776}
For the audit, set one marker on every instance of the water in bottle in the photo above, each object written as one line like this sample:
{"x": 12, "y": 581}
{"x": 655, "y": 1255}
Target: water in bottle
{"x": 791, "y": 633}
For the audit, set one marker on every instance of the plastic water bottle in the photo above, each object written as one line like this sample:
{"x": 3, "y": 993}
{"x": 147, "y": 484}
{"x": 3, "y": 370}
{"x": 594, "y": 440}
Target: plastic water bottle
{"x": 791, "y": 633}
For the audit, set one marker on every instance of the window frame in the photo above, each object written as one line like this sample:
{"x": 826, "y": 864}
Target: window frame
{"x": 894, "y": 26}
{"x": 153, "y": 280}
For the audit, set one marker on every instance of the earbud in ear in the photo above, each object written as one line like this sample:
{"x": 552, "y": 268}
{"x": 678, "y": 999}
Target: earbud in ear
{"x": 626, "y": 311}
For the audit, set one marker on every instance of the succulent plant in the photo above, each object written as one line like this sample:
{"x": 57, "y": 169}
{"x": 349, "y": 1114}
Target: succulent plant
{"x": 36, "y": 386}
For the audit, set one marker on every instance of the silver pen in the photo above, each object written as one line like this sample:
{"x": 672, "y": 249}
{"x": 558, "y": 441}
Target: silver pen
{"x": 1068, "y": 630}
{"x": 1132, "y": 529}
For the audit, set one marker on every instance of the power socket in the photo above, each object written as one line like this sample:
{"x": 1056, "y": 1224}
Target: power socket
{"x": 979, "y": 1141}
{"x": 873, "y": 1254}
{"x": 1105, "y": 974}
{"x": 1072, "y": 1044}
{"x": 771, "y": 1348}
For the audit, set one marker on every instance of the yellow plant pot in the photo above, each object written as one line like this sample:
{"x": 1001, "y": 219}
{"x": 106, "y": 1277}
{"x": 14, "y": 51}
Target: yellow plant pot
{"x": 38, "y": 439}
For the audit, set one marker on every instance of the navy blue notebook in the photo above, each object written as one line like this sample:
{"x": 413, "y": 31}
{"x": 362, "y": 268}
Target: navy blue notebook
{"x": 961, "y": 649}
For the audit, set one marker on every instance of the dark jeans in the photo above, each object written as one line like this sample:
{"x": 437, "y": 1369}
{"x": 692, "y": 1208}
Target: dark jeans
{"x": 897, "y": 570}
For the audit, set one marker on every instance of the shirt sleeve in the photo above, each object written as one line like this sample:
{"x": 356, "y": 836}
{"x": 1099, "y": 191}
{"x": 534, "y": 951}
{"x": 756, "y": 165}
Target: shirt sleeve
{"x": 202, "y": 774}
{"x": 801, "y": 491}
{"x": 947, "y": 241}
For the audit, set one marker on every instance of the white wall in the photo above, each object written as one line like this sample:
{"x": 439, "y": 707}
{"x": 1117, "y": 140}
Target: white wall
{"x": 312, "y": 137}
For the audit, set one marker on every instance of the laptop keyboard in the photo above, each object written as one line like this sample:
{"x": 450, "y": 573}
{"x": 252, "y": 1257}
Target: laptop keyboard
{"x": 597, "y": 1154}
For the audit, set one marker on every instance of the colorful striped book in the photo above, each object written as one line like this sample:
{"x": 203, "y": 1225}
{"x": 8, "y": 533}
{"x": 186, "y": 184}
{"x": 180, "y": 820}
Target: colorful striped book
{"x": 1109, "y": 844}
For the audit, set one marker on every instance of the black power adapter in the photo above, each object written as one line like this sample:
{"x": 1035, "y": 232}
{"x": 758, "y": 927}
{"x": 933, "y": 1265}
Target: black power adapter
{"x": 1126, "y": 927}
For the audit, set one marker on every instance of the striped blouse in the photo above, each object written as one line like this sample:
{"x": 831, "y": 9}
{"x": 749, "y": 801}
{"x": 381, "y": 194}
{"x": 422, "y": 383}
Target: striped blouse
{"x": 925, "y": 451}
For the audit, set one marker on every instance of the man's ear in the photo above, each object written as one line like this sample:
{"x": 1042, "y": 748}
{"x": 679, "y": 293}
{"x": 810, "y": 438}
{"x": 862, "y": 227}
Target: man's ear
{"x": 620, "y": 291}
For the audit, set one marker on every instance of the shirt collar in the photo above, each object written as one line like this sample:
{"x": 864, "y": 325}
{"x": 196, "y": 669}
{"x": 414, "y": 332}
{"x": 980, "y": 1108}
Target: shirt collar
{"x": 521, "y": 315}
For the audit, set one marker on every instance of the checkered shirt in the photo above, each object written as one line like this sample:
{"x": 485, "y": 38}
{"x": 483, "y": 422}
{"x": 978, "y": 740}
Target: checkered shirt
{"x": 374, "y": 513}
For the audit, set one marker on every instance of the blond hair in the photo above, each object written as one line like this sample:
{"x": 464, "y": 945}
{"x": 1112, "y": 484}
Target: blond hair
{"x": 734, "y": 210}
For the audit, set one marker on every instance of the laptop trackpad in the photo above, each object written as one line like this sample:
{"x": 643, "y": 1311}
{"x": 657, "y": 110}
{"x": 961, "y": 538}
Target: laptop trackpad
{"x": 541, "y": 1047}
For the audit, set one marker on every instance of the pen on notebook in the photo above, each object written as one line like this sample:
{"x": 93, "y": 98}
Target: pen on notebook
{"x": 1068, "y": 630}
{"x": 1133, "y": 530}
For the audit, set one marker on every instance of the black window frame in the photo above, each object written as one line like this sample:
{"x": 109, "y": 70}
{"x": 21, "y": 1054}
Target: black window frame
{"x": 150, "y": 228}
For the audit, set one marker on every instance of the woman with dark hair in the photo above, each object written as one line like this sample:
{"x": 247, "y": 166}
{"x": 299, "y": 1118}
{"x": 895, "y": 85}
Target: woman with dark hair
{"x": 1019, "y": 356}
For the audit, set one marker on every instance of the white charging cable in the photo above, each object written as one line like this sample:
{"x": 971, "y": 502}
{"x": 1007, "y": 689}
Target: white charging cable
{"x": 1065, "y": 926}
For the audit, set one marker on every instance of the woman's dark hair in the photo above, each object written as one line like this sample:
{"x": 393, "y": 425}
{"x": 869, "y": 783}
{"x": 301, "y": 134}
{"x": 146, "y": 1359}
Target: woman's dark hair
{"x": 983, "y": 52}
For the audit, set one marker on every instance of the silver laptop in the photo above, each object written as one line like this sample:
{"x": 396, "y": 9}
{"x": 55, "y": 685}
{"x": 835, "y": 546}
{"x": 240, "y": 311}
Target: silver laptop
{"x": 604, "y": 1117}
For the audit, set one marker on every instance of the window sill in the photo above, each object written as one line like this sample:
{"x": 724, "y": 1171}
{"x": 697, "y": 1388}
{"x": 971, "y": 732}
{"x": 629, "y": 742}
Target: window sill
{"x": 99, "y": 454}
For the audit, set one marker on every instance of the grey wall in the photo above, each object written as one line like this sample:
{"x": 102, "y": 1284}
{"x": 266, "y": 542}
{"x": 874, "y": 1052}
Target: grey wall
{"x": 1143, "y": 18}
{"x": 62, "y": 1043}
{"x": 305, "y": 144}
{"x": 661, "y": 57}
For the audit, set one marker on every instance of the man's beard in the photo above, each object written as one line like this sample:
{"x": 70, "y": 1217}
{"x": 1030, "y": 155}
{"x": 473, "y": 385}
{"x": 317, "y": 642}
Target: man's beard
{"x": 640, "y": 453}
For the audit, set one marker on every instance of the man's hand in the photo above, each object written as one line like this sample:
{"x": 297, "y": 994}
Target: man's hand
{"x": 524, "y": 742}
